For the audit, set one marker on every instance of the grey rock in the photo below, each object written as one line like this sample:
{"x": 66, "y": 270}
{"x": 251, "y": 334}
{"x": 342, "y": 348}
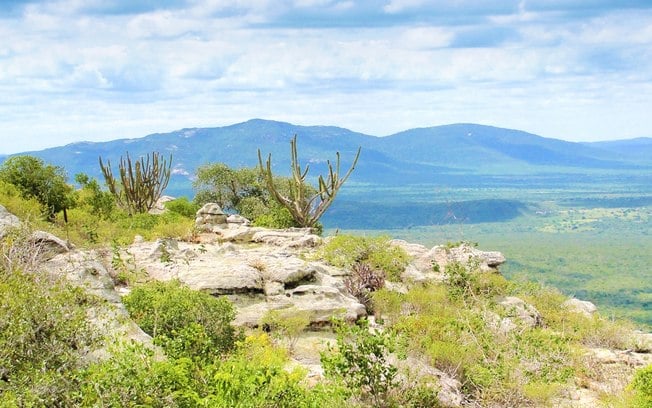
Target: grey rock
{"x": 49, "y": 244}
{"x": 237, "y": 219}
{"x": 209, "y": 217}
{"x": 159, "y": 205}
{"x": 525, "y": 313}
{"x": 580, "y": 306}
{"x": 439, "y": 257}
{"x": 7, "y": 221}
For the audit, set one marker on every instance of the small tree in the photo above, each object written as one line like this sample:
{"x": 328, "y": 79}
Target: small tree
{"x": 228, "y": 187}
{"x": 35, "y": 179}
{"x": 306, "y": 209}
{"x": 360, "y": 360}
{"x": 141, "y": 184}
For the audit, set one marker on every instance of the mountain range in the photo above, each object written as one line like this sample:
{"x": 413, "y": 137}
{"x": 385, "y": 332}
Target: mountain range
{"x": 419, "y": 155}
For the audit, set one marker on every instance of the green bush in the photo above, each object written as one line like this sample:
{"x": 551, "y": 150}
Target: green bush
{"x": 133, "y": 377}
{"x": 24, "y": 208}
{"x": 98, "y": 202}
{"x": 35, "y": 179}
{"x": 347, "y": 250}
{"x": 360, "y": 361}
{"x": 642, "y": 385}
{"x": 183, "y": 206}
{"x": 273, "y": 217}
{"x": 44, "y": 332}
{"x": 166, "y": 309}
{"x": 254, "y": 375}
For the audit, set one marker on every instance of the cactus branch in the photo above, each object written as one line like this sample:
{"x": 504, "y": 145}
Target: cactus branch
{"x": 306, "y": 211}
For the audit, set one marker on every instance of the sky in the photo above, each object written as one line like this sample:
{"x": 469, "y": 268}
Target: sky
{"x": 95, "y": 70}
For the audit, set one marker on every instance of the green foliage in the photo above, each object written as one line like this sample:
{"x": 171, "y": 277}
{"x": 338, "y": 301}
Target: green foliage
{"x": 254, "y": 375}
{"x": 44, "y": 332}
{"x": 25, "y": 209}
{"x": 133, "y": 377}
{"x": 306, "y": 208}
{"x": 346, "y": 250}
{"x": 461, "y": 335}
{"x": 91, "y": 195}
{"x": 642, "y": 386}
{"x": 244, "y": 191}
{"x": 594, "y": 331}
{"x": 35, "y": 179}
{"x": 165, "y": 310}
{"x": 286, "y": 325}
{"x": 218, "y": 183}
{"x": 182, "y": 206}
{"x": 360, "y": 361}
{"x": 275, "y": 217}
{"x": 140, "y": 184}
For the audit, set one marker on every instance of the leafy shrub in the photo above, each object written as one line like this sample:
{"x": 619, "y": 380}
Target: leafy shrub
{"x": 183, "y": 206}
{"x": 43, "y": 334}
{"x": 101, "y": 203}
{"x": 286, "y": 324}
{"x": 24, "y": 208}
{"x": 494, "y": 367}
{"x": 274, "y": 217}
{"x": 347, "y": 250}
{"x": 166, "y": 309}
{"x": 642, "y": 385}
{"x": 132, "y": 376}
{"x": 35, "y": 179}
{"x": 360, "y": 361}
{"x": 362, "y": 282}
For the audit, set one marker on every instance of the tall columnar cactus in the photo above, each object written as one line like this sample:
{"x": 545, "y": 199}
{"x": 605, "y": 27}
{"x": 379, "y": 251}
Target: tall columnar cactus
{"x": 306, "y": 210}
{"x": 141, "y": 183}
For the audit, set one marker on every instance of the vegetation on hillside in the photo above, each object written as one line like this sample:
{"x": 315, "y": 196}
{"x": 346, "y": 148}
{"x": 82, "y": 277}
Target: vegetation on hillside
{"x": 455, "y": 326}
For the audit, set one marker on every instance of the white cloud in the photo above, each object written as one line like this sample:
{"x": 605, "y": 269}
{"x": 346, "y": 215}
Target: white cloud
{"x": 70, "y": 74}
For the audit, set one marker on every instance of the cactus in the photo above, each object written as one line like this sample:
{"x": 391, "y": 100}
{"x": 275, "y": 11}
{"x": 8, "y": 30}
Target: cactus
{"x": 141, "y": 183}
{"x": 305, "y": 210}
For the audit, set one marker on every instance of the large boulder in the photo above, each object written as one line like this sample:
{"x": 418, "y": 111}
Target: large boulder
{"x": 440, "y": 256}
{"x": 210, "y": 217}
{"x": 520, "y": 311}
{"x": 580, "y": 306}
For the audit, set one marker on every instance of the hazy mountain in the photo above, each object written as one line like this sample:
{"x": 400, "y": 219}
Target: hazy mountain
{"x": 485, "y": 147}
{"x": 638, "y": 150}
{"x": 461, "y": 153}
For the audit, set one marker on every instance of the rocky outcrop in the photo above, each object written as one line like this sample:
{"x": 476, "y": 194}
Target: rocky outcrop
{"x": 520, "y": 311}
{"x": 210, "y": 217}
{"x": 580, "y": 306}
{"x": 435, "y": 260}
{"x": 43, "y": 244}
{"x": 267, "y": 274}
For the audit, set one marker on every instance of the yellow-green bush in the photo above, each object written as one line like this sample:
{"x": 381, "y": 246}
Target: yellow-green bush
{"x": 642, "y": 386}
{"x": 346, "y": 250}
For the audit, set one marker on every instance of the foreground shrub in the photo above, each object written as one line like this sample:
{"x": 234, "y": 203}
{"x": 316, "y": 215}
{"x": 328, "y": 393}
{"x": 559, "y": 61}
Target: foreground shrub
{"x": 642, "y": 385}
{"x": 286, "y": 325}
{"x": 346, "y": 250}
{"x": 43, "y": 334}
{"x": 166, "y": 310}
{"x": 132, "y": 376}
{"x": 254, "y": 375}
{"x": 360, "y": 362}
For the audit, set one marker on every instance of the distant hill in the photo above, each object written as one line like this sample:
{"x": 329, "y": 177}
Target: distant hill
{"x": 638, "y": 150}
{"x": 460, "y": 153}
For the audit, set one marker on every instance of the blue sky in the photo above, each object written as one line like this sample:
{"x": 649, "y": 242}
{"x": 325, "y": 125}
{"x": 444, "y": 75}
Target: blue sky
{"x": 74, "y": 70}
